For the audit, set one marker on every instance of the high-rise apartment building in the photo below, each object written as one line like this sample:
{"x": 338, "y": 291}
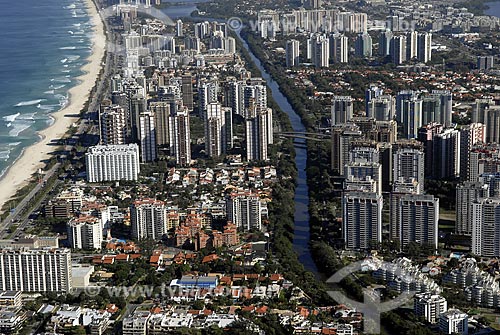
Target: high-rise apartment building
{"x": 470, "y": 135}
{"x": 245, "y": 211}
{"x": 381, "y": 108}
{"x": 259, "y": 134}
{"x": 292, "y": 53}
{"x": 180, "y": 137}
{"x": 342, "y": 136}
{"x": 409, "y": 113}
{"x": 427, "y": 135}
{"x": 340, "y": 48}
{"x": 409, "y": 162}
{"x": 446, "y": 154}
{"x": 437, "y": 107}
{"x": 486, "y": 227}
{"x": 320, "y": 51}
{"x": 215, "y": 130}
{"x": 424, "y": 49}
{"x": 161, "y": 111}
{"x": 384, "y": 43}
{"x": 187, "y": 91}
{"x": 35, "y": 270}
{"x": 148, "y": 219}
{"x": 207, "y": 93}
{"x": 147, "y": 137}
{"x": 342, "y": 109}
{"x": 85, "y": 232}
{"x": 400, "y": 188}
{"x": 418, "y": 219}
{"x": 398, "y": 49}
{"x": 467, "y": 194}
{"x": 361, "y": 220}
{"x": 363, "y": 45}
{"x": 411, "y": 45}
{"x": 112, "y": 125}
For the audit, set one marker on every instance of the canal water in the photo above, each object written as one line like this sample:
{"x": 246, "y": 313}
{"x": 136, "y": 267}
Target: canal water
{"x": 301, "y": 233}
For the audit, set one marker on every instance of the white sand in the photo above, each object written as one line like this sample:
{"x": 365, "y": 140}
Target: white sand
{"x": 19, "y": 174}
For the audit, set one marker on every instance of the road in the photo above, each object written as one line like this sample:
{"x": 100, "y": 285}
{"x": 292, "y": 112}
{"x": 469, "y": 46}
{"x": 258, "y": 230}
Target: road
{"x": 15, "y": 213}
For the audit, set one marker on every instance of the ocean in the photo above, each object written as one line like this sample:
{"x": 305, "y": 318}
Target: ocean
{"x": 43, "y": 45}
{"x": 494, "y": 9}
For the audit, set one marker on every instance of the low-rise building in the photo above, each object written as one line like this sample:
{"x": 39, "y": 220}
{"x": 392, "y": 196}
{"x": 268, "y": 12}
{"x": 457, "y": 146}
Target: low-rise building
{"x": 81, "y": 275}
{"x": 136, "y": 324}
{"x": 10, "y": 298}
{"x": 195, "y": 282}
{"x": 11, "y": 319}
{"x": 429, "y": 306}
{"x": 454, "y": 321}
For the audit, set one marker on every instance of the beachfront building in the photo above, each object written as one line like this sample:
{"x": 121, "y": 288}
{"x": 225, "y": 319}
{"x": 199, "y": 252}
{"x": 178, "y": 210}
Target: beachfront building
{"x": 35, "y": 270}
{"x": 112, "y": 162}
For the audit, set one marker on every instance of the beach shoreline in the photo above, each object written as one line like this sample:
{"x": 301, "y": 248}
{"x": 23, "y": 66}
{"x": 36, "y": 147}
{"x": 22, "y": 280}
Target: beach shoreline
{"x": 32, "y": 158}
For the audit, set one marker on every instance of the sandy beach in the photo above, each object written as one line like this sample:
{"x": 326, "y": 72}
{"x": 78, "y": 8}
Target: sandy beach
{"x": 19, "y": 174}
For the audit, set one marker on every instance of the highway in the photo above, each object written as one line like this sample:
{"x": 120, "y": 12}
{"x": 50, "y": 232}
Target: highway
{"x": 14, "y": 216}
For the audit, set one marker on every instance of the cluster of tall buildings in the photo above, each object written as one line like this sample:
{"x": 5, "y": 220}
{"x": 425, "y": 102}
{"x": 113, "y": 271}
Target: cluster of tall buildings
{"x": 478, "y": 196}
{"x": 397, "y": 168}
{"x": 163, "y": 125}
{"x": 324, "y": 49}
{"x": 208, "y": 43}
{"x": 410, "y": 109}
{"x": 155, "y": 125}
{"x": 366, "y": 152}
{"x": 270, "y": 22}
{"x": 152, "y": 219}
{"x": 148, "y": 116}
{"x": 406, "y": 47}
{"x": 219, "y": 102}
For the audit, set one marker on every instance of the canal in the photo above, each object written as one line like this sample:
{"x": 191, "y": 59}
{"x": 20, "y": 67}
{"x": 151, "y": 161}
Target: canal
{"x": 301, "y": 230}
